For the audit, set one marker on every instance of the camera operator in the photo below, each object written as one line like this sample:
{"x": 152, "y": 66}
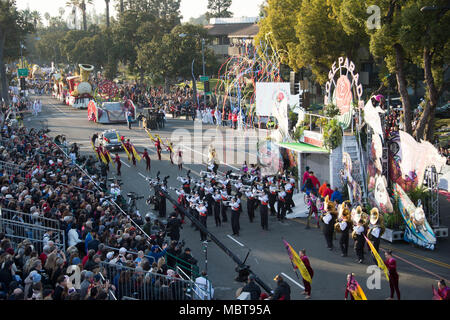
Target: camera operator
{"x": 188, "y": 258}
{"x": 174, "y": 250}
{"x": 173, "y": 227}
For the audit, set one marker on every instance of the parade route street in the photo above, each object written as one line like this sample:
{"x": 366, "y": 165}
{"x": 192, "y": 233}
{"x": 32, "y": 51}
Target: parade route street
{"x": 418, "y": 269}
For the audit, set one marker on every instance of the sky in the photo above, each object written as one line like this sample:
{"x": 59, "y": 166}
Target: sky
{"x": 189, "y": 8}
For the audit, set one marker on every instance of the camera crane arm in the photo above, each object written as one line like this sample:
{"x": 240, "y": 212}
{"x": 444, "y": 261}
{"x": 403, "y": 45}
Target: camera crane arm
{"x": 213, "y": 238}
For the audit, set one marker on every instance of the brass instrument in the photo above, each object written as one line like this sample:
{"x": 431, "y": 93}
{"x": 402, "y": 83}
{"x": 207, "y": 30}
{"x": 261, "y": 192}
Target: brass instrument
{"x": 85, "y": 70}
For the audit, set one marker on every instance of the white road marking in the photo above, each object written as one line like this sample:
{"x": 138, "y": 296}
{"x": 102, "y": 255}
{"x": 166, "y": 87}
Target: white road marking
{"x": 54, "y": 106}
{"x": 232, "y": 167}
{"x": 142, "y": 175}
{"x": 235, "y": 240}
{"x": 125, "y": 164}
{"x": 284, "y": 274}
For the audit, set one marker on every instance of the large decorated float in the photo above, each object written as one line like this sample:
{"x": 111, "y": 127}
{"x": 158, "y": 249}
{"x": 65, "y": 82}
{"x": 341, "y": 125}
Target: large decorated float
{"x": 107, "y": 107}
{"x": 80, "y": 90}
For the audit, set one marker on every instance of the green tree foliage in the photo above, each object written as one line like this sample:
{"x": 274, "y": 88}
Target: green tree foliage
{"x": 171, "y": 56}
{"x": 219, "y": 9}
{"x": 13, "y": 29}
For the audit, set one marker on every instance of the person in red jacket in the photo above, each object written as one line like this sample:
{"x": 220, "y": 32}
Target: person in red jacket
{"x": 391, "y": 264}
{"x": 328, "y": 191}
{"x": 305, "y": 175}
{"x": 314, "y": 181}
{"x": 119, "y": 164}
{"x": 351, "y": 285}
{"x": 307, "y": 285}
{"x": 147, "y": 159}
{"x": 443, "y": 290}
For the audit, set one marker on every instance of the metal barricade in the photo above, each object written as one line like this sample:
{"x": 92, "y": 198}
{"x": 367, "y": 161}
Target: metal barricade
{"x": 172, "y": 261}
{"x": 12, "y": 169}
{"x": 29, "y": 218}
{"x": 17, "y": 231}
{"x": 144, "y": 285}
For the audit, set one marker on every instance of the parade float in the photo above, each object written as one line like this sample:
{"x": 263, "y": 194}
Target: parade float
{"x": 378, "y": 166}
{"x": 80, "y": 90}
{"x": 107, "y": 107}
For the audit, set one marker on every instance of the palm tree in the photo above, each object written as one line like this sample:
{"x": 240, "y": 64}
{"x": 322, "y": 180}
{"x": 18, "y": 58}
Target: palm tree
{"x": 36, "y": 17}
{"x": 107, "y": 12}
{"x": 121, "y": 6}
{"x": 47, "y": 17}
{"x": 81, "y": 4}
{"x": 61, "y": 11}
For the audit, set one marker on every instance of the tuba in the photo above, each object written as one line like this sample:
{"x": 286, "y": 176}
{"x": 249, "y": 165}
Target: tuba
{"x": 85, "y": 70}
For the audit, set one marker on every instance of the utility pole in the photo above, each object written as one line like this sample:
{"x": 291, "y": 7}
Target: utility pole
{"x": 203, "y": 62}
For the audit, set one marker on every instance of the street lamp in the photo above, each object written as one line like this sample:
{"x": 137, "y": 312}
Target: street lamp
{"x": 183, "y": 35}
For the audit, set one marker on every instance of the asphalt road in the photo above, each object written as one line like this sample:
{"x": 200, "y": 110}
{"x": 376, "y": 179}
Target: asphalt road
{"x": 418, "y": 269}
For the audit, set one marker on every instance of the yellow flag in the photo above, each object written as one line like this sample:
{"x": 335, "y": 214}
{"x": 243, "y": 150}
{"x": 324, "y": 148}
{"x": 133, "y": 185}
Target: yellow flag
{"x": 136, "y": 155}
{"x": 110, "y": 159}
{"x": 298, "y": 262}
{"x": 149, "y": 134}
{"x": 380, "y": 261}
{"x": 169, "y": 145}
{"x": 159, "y": 138}
{"x": 123, "y": 146}
{"x": 103, "y": 158}
{"x": 93, "y": 148}
{"x": 358, "y": 294}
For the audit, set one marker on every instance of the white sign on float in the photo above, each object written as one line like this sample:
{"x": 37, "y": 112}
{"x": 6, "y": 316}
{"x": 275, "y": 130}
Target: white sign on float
{"x": 268, "y": 96}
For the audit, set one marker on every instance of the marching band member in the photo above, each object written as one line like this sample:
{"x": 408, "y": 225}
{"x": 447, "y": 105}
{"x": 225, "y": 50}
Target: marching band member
{"x": 281, "y": 205}
{"x": 358, "y": 236}
{"x": 250, "y": 194}
{"x": 289, "y": 192}
{"x": 217, "y": 202}
{"x": 272, "y": 198}
{"x": 201, "y": 209}
{"x": 224, "y": 195}
{"x": 329, "y": 218}
{"x": 343, "y": 225}
{"x": 375, "y": 229}
{"x": 209, "y": 190}
{"x": 264, "y": 199}
{"x": 235, "y": 216}
{"x": 186, "y": 184}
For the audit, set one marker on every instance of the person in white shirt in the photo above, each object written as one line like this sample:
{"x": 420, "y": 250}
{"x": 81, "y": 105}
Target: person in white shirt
{"x": 203, "y": 287}
{"x": 235, "y": 216}
{"x": 217, "y": 202}
{"x": 264, "y": 199}
{"x": 202, "y": 213}
{"x": 72, "y": 236}
{"x": 358, "y": 236}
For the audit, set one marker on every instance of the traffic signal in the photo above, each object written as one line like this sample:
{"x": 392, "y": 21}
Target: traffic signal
{"x": 295, "y": 83}
{"x": 22, "y": 83}
{"x": 206, "y": 85}
{"x": 300, "y": 100}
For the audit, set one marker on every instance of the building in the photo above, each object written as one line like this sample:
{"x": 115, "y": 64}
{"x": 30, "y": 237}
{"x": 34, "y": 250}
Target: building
{"x": 232, "y": 36}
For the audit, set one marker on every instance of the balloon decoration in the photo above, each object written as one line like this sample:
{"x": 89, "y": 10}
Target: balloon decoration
{"x": 240, "y": 73}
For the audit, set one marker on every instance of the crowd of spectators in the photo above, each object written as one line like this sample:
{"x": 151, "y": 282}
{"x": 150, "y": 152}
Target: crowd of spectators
{"x": 45, "y": 183}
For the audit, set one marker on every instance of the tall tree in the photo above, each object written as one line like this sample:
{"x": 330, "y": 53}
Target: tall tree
{"x": 13, "y": 29}
{"x": 219, "y": 9}
{"x": 36, "y": 18}
{"x": 107, "y": 12}
{"x": 47, "y": 17}
{"x": 81, "y": 4}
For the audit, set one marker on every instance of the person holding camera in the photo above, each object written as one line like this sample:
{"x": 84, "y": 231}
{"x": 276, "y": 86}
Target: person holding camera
{"x": 173, "y": 227}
